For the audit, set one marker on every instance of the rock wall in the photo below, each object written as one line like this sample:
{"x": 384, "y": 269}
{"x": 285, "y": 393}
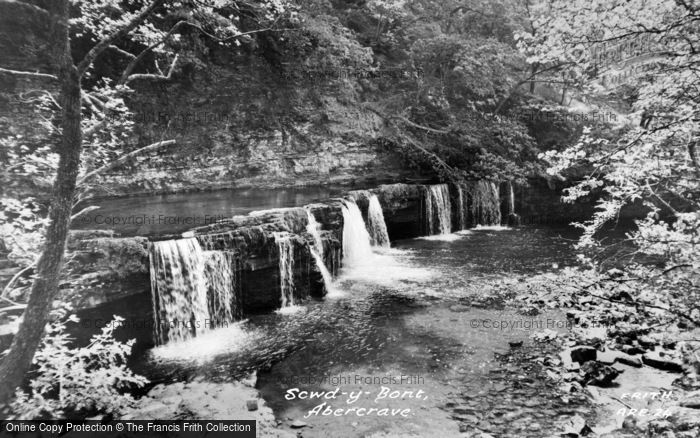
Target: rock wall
{"x": 101, "y": 268}
{"x": 240, "y": 123}
{"x": 539, "y": 202}
{"x": 253, "y": 239}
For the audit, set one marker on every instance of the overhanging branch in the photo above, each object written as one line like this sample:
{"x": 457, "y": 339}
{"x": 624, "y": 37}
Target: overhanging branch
{"x": 116, "y": 35}
{"x": 28, "y": 73}
{"x": 123, "y": 159}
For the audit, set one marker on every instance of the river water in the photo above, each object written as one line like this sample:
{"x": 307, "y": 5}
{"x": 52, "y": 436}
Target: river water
{"x": 174, "y": 213}
{"x": 414, "y": 322}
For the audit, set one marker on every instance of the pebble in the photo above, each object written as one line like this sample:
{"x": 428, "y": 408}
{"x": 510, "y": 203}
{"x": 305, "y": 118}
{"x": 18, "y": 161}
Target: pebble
{"x": 298, "y": 424}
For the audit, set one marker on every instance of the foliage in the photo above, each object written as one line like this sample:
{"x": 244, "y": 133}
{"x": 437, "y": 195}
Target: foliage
{"x": 29, "y": 164}
{"x": 21, "y": 229}
{"x": 88, "y": 115}
{"x": 84, "y": 381}
{"x": 653, "y": 161}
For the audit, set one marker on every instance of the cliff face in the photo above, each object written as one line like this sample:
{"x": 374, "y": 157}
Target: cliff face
{"x": 243, "y": 122}
{"x": 255, "y": 116}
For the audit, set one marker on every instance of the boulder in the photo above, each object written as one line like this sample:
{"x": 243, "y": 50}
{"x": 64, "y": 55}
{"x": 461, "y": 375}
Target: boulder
{"x": 599, "y": 374}
{"x": 583, "y": 353}
{"x": 662, "y": 361}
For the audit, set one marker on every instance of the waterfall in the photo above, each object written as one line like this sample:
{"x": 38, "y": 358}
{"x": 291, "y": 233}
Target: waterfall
{"x": 192, "y": 290}
{"x": 223, "y": 290}
{"x": 178, "y": 289}
{"x": 313, "y": 228}
{"x": 510, "y": 218}
{"x": 285, "y": 244}
{"x": 438, "y": 212}
{"x": 377, "y": 227}
{"x": 462, "y": 205}
{"x": 511, "y": 199}
{"x": 427, "y": 211}
{"x": 356, "y": 240}
{"x": 483, "y": 203}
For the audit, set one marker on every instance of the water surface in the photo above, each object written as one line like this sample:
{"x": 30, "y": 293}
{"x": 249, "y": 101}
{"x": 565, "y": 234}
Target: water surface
{"x": 412, "y": 322}
{"x": 175, "y": 213}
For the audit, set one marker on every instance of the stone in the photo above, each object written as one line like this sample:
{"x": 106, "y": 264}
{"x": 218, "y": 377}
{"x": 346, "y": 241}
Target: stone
{"x": 663, "y": 362}
{"x": 630, "y": 360}
{"x": 583, "y": 354}
{"x": 576, "y": 427}
{"x": 691, "y": 402}
{"x": 610, "y": 357}
{"x": 599, "y": 374}
{"x": 629, "y": 423}
{"x": 251, "y": 405}
{"x": 298, "y": 424}
{"x": 632, "y": 349}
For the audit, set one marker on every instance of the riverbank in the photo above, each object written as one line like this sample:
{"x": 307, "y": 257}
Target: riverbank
{"x": 200, "y": 399}
{"x": 638, "y": 366}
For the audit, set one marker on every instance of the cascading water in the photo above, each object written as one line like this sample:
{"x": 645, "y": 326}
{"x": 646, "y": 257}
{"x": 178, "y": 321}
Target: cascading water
{"x": 483, "y": 204}
{"x": 356, "y": 240}
{"x": 462, "y": 205}
{"x": 511, "y": 199}
{"x": 313, "y": 228}
{"x": 438, "y": 212}
{"x": 510, "y": 216}
{"x": 223, "y": 291}
{"x": 286, "y": 266}
{"x": 427, "y": 210}
{"x": 377, "y": 226}
{"x": 179, "y": 289}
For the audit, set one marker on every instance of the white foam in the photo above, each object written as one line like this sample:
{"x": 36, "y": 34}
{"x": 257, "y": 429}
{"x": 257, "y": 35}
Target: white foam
{"x": 492, "y": 227}
{"x": 206, "y": 346}
{"x": 386, "y": 267}
{"x": 290, "y": 310}
{"x": 443, "y": 237}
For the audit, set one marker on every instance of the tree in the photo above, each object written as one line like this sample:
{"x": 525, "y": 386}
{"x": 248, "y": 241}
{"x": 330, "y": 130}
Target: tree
{"x": 654, "y": 159}
{"x": 144, "y": 34}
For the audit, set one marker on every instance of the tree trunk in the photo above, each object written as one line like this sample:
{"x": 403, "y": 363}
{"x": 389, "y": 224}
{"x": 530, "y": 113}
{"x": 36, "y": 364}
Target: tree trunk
{"x": 24, "y": 345}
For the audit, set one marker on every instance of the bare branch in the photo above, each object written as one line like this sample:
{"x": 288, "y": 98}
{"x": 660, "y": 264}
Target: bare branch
{"x": 154, "y": 76}
{"x": 29, "y": 6}
{"x": 124, "y": 158}
{"x": 115, "y": 36}
{"x": 425, "y": 128}
{"x": 665, "y": 204}
{"x": 134, "y": 62}
{"x": 13, "y": 280}
{"x": 232, "y": 37}
{"x": 28, "y": 73}
{"x": 84, "y": 211}
{"x": 11, "y": 308}
{"x": 127, "y": 74}
{"x": 122, "y": 51}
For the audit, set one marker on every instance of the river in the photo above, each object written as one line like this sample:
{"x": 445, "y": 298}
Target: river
{"x": 415, "y": 321}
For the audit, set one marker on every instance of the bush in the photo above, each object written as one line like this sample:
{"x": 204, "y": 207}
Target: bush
{"x": 82, "y": 381}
